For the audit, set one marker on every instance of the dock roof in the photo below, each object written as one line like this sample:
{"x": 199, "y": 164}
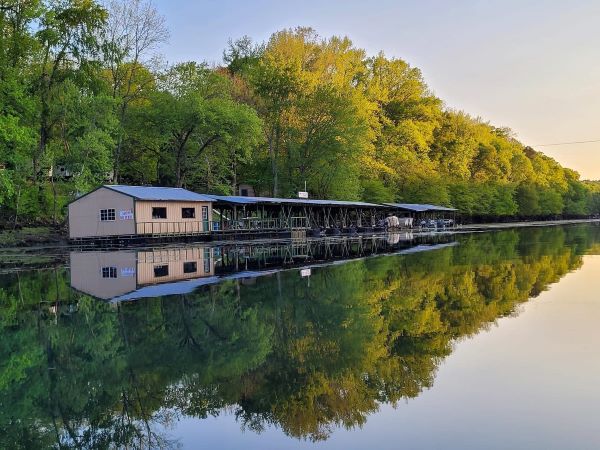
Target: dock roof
{"x": 419, "y": 207}
{"x": 153, "y": 193}
{"x": 159, "y": 193}
{"x": 242, "y": 200}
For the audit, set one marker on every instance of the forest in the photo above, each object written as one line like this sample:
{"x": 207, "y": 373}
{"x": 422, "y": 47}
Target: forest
{"x": 76, "y": 372}
{"x": 87, "y": 99}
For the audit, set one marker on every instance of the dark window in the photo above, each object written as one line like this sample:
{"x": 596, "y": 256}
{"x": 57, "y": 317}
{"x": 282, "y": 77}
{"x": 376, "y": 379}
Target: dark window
{"x": 161, "y": 271}
{"x": 190, "y": 267}
{"x": 109, "y": 272}
{"x": 159, "y": 213}
{"x": 107, "y": 215}
{"x": 244, "y": 192}
{"x": 188, "y": 213}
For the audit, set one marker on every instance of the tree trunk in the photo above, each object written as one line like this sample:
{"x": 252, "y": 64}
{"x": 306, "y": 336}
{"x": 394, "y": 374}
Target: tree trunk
{"x": 119, "y": 147}
{"x": 178, "y": 166}
{"x": 41, "y": 148}
{"x": 234, "y": 179}
{"x": 117, "y": 160}
{"x": 17, "y": 208}
{"x": 54, "y": 195}
{"x": 273, "y": 156}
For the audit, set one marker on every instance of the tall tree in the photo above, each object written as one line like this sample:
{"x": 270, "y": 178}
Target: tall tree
{"x": 134, "y": 30}
{"x": 195, "y": 114}
{"x": 67, "y": 37}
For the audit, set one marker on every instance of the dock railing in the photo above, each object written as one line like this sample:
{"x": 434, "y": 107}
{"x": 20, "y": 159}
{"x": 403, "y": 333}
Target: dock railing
{"x": 250, "y": 224}
{"x": 183, "y": 228}
{"x": 258, "y": 224}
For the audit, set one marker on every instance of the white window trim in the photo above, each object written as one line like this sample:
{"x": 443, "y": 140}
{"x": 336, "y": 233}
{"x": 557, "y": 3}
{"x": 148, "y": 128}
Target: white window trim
{"x": 107, "y": 215}
{"x": 110, "y": 269}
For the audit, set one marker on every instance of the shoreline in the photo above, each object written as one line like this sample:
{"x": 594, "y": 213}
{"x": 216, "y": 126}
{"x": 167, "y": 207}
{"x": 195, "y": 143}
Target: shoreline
{"x": 46, "y": 238}
{"x": 47, "y": 250}
{"x": 520, "y": 224}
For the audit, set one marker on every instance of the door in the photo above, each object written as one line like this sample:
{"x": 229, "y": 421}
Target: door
{"x": 205, "y": 222}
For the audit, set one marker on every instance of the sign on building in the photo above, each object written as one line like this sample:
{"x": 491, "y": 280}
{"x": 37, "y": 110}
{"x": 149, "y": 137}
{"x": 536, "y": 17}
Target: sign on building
{"x": 126, "y": 214}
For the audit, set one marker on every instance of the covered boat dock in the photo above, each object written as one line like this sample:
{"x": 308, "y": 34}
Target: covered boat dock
{"x": 139, "y": 213}
{"x": 237, "y": 213}
{"x": 425, "y": 214}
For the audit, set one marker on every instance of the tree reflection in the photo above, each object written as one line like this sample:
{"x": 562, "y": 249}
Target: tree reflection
{"x": 306, "y": 357}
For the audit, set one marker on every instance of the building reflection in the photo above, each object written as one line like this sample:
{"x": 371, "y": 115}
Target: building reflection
{"x": 131, "y": 274}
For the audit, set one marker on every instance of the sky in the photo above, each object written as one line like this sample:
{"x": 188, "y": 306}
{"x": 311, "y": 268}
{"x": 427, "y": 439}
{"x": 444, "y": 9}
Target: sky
{"x": 533, "y": 66}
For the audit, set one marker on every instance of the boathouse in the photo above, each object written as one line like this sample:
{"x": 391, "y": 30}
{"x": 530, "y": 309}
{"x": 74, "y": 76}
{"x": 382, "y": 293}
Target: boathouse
{"x": 117, "y": 210}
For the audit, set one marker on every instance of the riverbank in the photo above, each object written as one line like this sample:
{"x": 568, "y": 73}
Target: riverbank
{"x": 33, "y": 236}
{"x": 32, "y": 248}
{"x": 535, "y": 223}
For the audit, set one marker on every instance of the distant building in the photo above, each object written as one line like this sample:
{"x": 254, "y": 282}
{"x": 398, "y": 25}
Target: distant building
{"x": 65, "y": 172}
{"x": 246, "y": 190}
{"x": 116, "y": 210}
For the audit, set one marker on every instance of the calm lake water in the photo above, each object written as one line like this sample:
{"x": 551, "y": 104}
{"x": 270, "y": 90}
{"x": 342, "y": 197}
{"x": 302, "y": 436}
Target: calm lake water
{"x": 474, "y": 341}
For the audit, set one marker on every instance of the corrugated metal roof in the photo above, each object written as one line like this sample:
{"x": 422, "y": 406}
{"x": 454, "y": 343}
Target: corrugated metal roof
{"x": 240, "y": 200}
{"x": 419, "y": 207}
{"x": 159, "y": 193}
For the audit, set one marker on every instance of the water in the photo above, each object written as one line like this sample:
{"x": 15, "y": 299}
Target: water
{"x": 485, "y": 340}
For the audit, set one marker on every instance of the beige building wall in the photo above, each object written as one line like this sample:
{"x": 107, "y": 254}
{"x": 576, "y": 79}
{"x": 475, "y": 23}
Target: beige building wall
{"x": 86, "y": 273}
{"x": 174, "y": 223}
{"x": 84, "y": 215}
{"x": 151, "y": 262}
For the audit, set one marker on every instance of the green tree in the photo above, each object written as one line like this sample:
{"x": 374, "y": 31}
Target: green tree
{"x": 67, "y": 40}
{"x": 193, "y": 116}
{"x": 528, "y": 200}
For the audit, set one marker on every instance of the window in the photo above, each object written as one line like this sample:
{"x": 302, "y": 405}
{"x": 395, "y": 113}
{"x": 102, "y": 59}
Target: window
{"x": 244, "y": 192}
{"x": 188, "y": 213}
{"x": 109, "y": 272}
{"x": 161, "y": 271}
{"x": 205, "y": 213}
{"x": 159, "y": 213}
{"x": 107, "y": 215}
{"x": 190, "y": 267}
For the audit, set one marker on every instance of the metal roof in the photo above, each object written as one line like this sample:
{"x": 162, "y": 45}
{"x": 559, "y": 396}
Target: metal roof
{"x": 180, "y": 194}
{"x": 241, "y": 200}
{"x": 419, "y": 207}
{"x": 159, "y": 193}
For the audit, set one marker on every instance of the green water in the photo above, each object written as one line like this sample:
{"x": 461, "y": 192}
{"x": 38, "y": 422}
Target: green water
{"x": 352, "y": 355}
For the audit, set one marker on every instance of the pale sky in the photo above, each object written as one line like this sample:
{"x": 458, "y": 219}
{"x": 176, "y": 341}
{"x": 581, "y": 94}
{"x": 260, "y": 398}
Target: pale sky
{"x": 531, "y": 65}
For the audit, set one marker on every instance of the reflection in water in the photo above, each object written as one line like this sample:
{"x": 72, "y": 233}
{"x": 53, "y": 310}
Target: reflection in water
{"x": 133, "y": 274}
{"x": 306, "y": 354}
